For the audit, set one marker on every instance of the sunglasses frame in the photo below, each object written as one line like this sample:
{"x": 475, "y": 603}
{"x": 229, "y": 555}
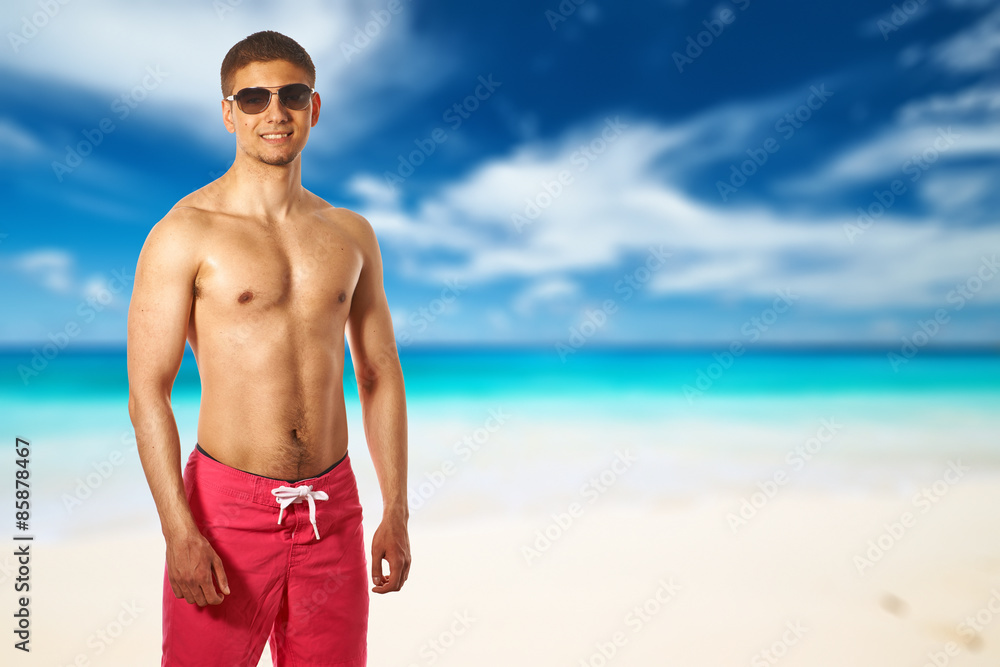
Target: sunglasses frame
{"x": 277, "y": 93}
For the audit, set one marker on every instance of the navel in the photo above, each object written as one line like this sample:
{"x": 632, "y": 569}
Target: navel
{"x": 246, "y": 297}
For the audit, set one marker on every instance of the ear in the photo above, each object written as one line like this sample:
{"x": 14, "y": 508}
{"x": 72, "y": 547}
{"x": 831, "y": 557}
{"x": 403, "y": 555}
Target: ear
{"x": 315, "y": 109}
{"x": 227, "y": 116}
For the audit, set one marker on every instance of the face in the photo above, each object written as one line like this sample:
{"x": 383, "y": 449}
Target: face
{"x": 276, "y": 135}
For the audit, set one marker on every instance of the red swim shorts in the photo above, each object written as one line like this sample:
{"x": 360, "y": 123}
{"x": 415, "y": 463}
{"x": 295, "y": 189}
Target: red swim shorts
{"x": 308, "y": 596}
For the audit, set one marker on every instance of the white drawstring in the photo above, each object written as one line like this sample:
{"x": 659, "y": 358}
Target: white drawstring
{"x": 287, "y": 495}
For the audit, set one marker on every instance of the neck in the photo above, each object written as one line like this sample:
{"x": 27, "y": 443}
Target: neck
{"x": 261, "y": 190}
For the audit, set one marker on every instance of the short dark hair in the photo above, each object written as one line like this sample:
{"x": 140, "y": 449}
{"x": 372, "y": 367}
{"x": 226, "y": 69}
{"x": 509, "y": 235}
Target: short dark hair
{"x": 264, "y": 46}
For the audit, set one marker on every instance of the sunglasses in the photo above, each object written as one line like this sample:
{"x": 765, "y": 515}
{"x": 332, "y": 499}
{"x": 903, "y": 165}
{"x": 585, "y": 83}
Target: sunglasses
{"x": 295, "y": 96}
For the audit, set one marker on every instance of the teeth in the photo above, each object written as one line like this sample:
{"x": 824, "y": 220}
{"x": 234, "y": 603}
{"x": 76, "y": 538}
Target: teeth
{"x": 276, "y": 136}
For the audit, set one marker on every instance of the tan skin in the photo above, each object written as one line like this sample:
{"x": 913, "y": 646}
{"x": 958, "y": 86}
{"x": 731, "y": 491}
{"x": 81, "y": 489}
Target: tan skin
{"x": 265, "y": 280}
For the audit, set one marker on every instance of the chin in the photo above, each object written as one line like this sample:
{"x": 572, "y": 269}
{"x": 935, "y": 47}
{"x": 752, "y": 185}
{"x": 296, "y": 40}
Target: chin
{"x": 277, "y": 160}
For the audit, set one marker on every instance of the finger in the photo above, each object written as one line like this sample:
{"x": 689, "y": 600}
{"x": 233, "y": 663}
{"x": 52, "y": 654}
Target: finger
{"x": 406, "y": 569}
{"x": 381, "y": 581}
{"x": 392, "y": 583}
{"x": 220, "y": 575}
{"x": 401, "y": 562}
{"x": 175, "y": 587}
{"x": 195, "y": 596}
{"x": 377, "y": 577}
{"x": 200, "y": 597}
{"x": 211, "y": 595}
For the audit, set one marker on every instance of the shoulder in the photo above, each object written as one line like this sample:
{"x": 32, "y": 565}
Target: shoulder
{"x": 177, "y": 236}
{"x": 190, "y": 218}
{"x": 353, "y": 224}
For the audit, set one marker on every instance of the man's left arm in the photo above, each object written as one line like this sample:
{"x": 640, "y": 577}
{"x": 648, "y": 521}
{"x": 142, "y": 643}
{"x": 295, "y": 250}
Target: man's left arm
{"x": 383, "y": 407}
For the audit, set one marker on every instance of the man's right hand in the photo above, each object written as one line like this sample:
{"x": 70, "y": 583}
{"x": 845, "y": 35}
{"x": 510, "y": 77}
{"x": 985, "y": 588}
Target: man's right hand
{"x": 191, "y": 560}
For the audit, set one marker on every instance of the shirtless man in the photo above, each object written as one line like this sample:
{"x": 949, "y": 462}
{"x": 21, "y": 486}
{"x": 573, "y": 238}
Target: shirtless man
{"x": 265, "y": 279}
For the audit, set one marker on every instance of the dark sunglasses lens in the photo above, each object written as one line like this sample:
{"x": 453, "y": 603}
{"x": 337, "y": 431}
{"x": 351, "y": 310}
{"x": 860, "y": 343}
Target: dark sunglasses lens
{"x": 295, "y": 96}
{"x": 253, "y": 100}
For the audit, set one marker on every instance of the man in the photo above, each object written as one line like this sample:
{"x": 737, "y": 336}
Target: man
{"x": 264, "y": 279}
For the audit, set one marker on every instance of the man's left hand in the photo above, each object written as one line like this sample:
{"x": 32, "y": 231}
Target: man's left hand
{"x": 391, "y": 543}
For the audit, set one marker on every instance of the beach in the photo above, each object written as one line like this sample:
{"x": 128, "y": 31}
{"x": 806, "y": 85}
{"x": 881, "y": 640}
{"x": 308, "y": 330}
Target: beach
{"x": 611, "y": 524}
{"x": 644, "y": 586}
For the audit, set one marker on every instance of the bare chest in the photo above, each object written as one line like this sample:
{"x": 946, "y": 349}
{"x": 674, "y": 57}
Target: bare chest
{"x": 252, "y": 273}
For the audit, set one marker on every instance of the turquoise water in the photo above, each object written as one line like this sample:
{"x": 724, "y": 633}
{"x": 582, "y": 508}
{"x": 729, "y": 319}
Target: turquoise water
{"x": 79, "y": 390}
{"x": 441, "y": 373}
{"x": 565, "y": 422}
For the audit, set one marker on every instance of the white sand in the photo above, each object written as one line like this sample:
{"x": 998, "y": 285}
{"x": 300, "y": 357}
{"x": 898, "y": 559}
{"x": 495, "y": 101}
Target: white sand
{"x": 739, "y": 593}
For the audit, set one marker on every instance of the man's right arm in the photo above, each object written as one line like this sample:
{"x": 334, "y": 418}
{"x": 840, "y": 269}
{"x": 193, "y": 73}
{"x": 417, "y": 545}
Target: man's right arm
{"x": 157, "y": 330}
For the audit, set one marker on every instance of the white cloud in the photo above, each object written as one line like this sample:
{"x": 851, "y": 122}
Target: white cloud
{"x": 552, "y": 289}
{"x": 919, "y": 128}
{"x": 962, "y": 193}
{"x": 51, "y": 268}
{"x": 621, "y": 204}
{"x": 372, "y": 189}
{"x": 97, "y": 289}
{"x": 977, "y": 102}
{"x": 973, "y": 50}
{"x": 897, "y": 151}
{"x": 16, "y": 141}
{"x": 106, "y": 46}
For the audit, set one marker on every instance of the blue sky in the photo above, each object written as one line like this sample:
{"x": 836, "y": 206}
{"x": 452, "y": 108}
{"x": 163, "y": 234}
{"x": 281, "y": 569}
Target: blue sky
{"x": 671, "y": 172}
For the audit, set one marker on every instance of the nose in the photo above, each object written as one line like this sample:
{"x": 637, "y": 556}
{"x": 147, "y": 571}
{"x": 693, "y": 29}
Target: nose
{"x": 276, "y": 111}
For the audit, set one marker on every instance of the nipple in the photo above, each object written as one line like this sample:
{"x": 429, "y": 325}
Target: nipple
{"x": 246, "y": 297}
{"x": 342, "y": 296}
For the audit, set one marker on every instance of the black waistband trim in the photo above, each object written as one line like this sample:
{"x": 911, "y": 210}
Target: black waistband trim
{"x": 290, "y": 481}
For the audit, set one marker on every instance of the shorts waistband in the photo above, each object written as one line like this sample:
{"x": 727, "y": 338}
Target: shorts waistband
{"x": 258, "y": 488}
{"x": 288, "y": 481}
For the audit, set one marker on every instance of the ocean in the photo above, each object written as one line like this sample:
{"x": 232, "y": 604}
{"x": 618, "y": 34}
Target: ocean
{"x": 522, "y": 430}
